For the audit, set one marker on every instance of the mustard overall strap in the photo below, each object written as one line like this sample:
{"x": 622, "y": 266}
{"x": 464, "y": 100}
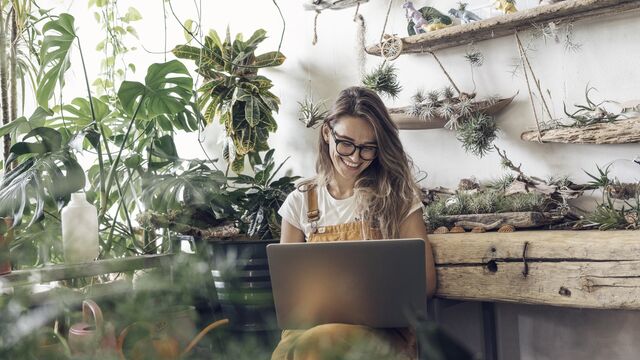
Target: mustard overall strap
{"x": 313, "y": 214}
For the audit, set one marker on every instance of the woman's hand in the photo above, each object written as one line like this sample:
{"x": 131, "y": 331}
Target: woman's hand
{"x": 413, "y": 228}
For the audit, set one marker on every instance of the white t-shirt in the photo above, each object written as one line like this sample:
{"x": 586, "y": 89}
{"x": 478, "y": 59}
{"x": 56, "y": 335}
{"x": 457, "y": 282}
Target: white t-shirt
{"x": 332, "y": 211}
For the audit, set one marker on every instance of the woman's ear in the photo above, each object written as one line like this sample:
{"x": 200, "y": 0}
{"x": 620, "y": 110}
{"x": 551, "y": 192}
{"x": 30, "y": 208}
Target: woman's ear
{"x": 325, "y": 133}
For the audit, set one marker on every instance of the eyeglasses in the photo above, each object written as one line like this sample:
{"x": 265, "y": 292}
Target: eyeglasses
{"x": 347, "y": 148}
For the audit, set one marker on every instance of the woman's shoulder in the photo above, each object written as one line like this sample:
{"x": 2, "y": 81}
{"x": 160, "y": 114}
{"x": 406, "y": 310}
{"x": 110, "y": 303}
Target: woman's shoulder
{"x": 301, "y": 187}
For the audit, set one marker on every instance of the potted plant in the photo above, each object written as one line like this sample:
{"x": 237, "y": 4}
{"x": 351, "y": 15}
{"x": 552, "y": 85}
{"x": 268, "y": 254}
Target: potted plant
{"x": 232, "y": 220}
{"x": 234, "y": 92}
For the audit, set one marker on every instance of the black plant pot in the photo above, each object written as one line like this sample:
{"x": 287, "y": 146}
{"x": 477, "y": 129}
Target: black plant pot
{"x": 241, "y": 277}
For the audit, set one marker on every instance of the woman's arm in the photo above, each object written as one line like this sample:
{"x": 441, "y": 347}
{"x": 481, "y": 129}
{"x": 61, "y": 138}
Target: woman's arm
{"x": 411, "y": 228}
{"x": 290, "y": 233}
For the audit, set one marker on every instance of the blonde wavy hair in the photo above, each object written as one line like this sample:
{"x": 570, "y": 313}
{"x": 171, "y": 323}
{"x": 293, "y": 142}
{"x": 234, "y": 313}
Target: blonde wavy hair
{"x": 385, "y": 190}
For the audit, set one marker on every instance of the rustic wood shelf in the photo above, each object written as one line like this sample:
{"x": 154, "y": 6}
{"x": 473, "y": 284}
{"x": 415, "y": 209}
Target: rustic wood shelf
{"x": 400, "y": 116}
{"x": 70, "y": 271}
{"x": 617, "y": 132}
{"x": 565, "y": 11}
{"x": 585, "y": 269}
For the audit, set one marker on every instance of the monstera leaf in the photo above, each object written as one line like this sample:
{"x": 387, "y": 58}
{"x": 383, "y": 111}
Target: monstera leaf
{"x": 49, "y": 173}
{"x": 54, "y": 56}
{"x": 167, "y": 90}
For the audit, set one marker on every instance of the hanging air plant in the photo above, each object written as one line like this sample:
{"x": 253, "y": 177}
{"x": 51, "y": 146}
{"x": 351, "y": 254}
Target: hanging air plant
{"x": 477, "y": 134}
{"x": 310, "y": 113}
{"x": 383, "y": 80}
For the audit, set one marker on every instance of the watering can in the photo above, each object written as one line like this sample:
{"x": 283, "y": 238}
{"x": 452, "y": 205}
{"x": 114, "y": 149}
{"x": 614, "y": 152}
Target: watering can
{"x": 92, "y": 334}
{"x": 158, "y": 340}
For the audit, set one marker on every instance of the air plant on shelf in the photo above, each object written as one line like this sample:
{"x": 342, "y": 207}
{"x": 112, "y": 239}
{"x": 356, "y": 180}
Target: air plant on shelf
{"x": 311, "y": 114}
{"x": 383, "y": 80}
{"x": 620, "y": 205}
{"x": 589, "y": 113}
{"x": 475, "y": 130}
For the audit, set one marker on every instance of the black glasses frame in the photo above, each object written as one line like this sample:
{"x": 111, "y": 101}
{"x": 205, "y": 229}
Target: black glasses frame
{"x": 354, "y": 146}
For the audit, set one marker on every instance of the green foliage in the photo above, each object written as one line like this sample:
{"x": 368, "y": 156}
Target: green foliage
{"x": 234, "y": 92}
{"x": 383, "y": 80}
{"x": 589, "y": 113}
{"x": 483, "y": 202}
{"x": 264, "y": 196}
{"x": 55, "y": 55}
{"x": 310, "y": 113}
{"x": 167, "y": 90}
{"x": 609, "y": 213}
{"x": 45, "y": 178}
{"x": 477, "y": 134}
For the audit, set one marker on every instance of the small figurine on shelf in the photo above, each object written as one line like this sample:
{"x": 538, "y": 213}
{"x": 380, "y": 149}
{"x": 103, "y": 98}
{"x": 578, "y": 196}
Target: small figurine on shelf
{"x": 463, "y": 14}
{"x": 506, "y": 6}
{"x": 435, "y": 24}
{"x": 414, "y": 15}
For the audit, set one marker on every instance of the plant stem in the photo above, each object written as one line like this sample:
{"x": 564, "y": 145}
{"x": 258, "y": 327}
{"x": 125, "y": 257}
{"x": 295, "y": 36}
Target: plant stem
{"x": 114, "y": 164}
{"x": 98, "y": 128}
{"x": 13, "y": 85}
{"x": 4, "y": 93}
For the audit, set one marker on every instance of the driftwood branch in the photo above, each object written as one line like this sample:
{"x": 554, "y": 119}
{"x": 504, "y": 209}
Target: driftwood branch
{"x": 562, "y": 12}
{"x": 520, "y": 220}
{"x": 617, "y": 132}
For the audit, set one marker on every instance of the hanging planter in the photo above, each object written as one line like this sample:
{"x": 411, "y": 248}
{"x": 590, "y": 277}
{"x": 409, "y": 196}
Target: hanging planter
{"x": 405, "y": 120}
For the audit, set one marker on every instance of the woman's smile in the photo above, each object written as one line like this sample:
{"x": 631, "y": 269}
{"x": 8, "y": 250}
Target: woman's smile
{"x": 349, "y": 164}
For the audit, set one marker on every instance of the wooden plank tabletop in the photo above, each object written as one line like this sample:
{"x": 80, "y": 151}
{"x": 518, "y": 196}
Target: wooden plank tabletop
{"x": 584, "y": 269}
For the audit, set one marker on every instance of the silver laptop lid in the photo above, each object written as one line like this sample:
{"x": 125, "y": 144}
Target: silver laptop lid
{"x": 377, "y": 283}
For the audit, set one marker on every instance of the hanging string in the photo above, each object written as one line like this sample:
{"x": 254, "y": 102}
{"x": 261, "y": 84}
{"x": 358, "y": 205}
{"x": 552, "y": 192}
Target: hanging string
{"x": 526, "y": 77}
{"x": 533, "y": 75}
{"x": 315, "y": 28}
{"x": 386, "y": 19}
{"x": 355, "y": 16}
{"x": 445, "y": 72}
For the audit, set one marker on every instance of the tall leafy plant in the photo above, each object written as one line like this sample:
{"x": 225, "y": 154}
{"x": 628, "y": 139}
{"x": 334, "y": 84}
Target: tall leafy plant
{"x": 234, "y": 92}
{"x": 131, "y": 136}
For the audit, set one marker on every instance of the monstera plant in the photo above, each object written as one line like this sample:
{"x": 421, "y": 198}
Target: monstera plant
{"x": 129, "y": 136}
{"x": 234, "y": 92}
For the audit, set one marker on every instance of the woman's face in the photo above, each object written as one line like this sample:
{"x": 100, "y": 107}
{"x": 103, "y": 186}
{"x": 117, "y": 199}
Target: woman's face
{"x": 354, "y": 130}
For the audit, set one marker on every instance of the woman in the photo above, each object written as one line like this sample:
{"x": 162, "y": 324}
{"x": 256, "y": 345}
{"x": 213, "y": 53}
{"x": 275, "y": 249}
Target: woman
{"x": 364, "y": 189}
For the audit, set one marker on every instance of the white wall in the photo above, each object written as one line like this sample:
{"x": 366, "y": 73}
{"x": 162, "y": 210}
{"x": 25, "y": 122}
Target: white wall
{"x": 608, "y": 60}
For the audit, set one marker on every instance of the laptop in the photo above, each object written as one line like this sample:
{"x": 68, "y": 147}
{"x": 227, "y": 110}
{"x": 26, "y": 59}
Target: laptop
{"x": 377, "y": 283}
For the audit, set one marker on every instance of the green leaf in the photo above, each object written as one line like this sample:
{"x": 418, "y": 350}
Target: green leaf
{"x": 133, "y": 161}
{"x": 131, "y": 30}
{"x": 165, "y": 148}
{"x": 55, "y": 54}
{"x": 273, "y": 58}
{"x": 238, "y": 164}
{"x": 186, "y": 52}
{"x": 12, "y": 126}
{"x": 167, "y": 90}
{"x": 188, "y": 30}
{"x": 79, "y": 111}
{"x": 132, "y": 15}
